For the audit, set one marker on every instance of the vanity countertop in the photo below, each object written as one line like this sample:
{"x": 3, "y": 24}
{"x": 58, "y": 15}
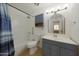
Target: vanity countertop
{"x": 59, "y": 38}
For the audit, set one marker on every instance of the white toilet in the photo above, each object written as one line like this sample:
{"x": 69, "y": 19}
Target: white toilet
{"x": 32, "y": 45}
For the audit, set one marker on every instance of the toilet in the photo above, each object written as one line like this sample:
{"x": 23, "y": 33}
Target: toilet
{"x": 32, "y": 45}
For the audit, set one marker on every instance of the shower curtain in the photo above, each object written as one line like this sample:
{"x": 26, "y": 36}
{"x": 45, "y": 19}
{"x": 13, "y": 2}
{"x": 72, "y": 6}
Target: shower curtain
{"x": 6, "y": 40}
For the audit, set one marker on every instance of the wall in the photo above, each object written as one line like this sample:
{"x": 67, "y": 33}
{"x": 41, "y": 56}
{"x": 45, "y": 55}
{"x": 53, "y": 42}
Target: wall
{"x": 71, "y": 21}
{"x": 21, "y": 26}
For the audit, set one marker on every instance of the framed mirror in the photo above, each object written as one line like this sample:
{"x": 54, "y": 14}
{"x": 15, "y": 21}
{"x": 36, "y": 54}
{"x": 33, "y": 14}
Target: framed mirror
{"x": 58, "y": 23}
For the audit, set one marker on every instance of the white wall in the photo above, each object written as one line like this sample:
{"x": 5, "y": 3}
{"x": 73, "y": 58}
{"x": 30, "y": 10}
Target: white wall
{"x": 21, "y": 26}
{"x": 74, "y": 28}
{"x": 71, "y": 15}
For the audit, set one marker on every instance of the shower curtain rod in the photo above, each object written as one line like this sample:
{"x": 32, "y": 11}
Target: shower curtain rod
{"x": 19, "y": 9}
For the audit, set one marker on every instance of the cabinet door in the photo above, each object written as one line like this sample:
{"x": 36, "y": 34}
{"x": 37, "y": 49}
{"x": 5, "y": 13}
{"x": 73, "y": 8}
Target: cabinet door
{"x": 67, "y": 52}
{"x": 46, "y": 49}
{"x": 54, "y": 50}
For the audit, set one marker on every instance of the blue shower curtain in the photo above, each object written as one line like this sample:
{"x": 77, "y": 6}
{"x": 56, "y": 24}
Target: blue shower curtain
{"x": 6, "y": 40}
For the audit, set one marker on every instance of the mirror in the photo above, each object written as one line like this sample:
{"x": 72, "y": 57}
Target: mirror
{"x": 58, "y": 23}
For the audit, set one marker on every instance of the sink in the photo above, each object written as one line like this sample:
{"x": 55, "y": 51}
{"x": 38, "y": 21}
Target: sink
{"x": 59, "y": 38}
{"x": 55, "y": 35}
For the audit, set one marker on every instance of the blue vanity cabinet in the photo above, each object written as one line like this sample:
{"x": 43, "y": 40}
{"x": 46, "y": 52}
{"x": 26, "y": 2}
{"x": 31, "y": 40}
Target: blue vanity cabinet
{"x": 53, "y": 48}
{"x": 67, "y": 52}
{"x": 49, "y": 49}
{"x": 68, "y": 49}
{"x": 46, "y": 49}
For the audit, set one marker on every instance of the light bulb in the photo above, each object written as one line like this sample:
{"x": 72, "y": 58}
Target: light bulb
{"x": 58, "y": 7}
{"x": 66, "y": 5}
{"x": 47, "y": 11}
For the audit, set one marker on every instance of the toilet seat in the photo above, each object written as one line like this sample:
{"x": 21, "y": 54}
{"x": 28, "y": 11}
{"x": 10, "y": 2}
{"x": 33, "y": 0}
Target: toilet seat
{"x": 31, "y": 44}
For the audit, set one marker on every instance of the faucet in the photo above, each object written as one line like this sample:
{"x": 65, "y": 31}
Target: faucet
{"x": 55, "y": 35}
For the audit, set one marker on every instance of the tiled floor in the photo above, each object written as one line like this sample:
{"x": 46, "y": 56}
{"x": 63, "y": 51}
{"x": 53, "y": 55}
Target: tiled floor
{"x": 25, "y": 52}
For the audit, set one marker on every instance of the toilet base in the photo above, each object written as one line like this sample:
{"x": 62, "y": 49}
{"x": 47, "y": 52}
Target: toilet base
{"x": 32, "y": 50}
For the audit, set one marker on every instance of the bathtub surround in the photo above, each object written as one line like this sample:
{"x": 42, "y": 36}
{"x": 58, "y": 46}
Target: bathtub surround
{"x": 6, "y": 38}
{"x": 22, "y": 28}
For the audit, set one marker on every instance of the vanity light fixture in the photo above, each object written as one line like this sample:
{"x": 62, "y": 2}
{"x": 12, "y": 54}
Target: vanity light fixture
{"x": 58, "y": 9}
{"x": 66, "y": 5}
{"x": 36, "y": 4}
{"x": 47, "y": 11}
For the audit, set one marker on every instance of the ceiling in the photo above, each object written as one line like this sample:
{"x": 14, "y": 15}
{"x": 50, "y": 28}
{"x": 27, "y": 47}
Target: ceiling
{"x": 33, "y": 9}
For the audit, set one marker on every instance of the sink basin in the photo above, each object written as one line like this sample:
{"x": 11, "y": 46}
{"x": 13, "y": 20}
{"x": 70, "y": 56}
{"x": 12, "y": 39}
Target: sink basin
{"x": 59, "y": 38}
{"x": 55, "y": 35}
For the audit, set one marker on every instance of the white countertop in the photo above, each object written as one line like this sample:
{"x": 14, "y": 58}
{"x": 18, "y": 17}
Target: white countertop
{"x": 60, "y": 37}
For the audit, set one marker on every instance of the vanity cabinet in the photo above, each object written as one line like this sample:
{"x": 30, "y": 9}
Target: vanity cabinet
{"x": 53, "y": 48}
{"x": 46, "y": 49}
{"x": 67, "y": 52}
